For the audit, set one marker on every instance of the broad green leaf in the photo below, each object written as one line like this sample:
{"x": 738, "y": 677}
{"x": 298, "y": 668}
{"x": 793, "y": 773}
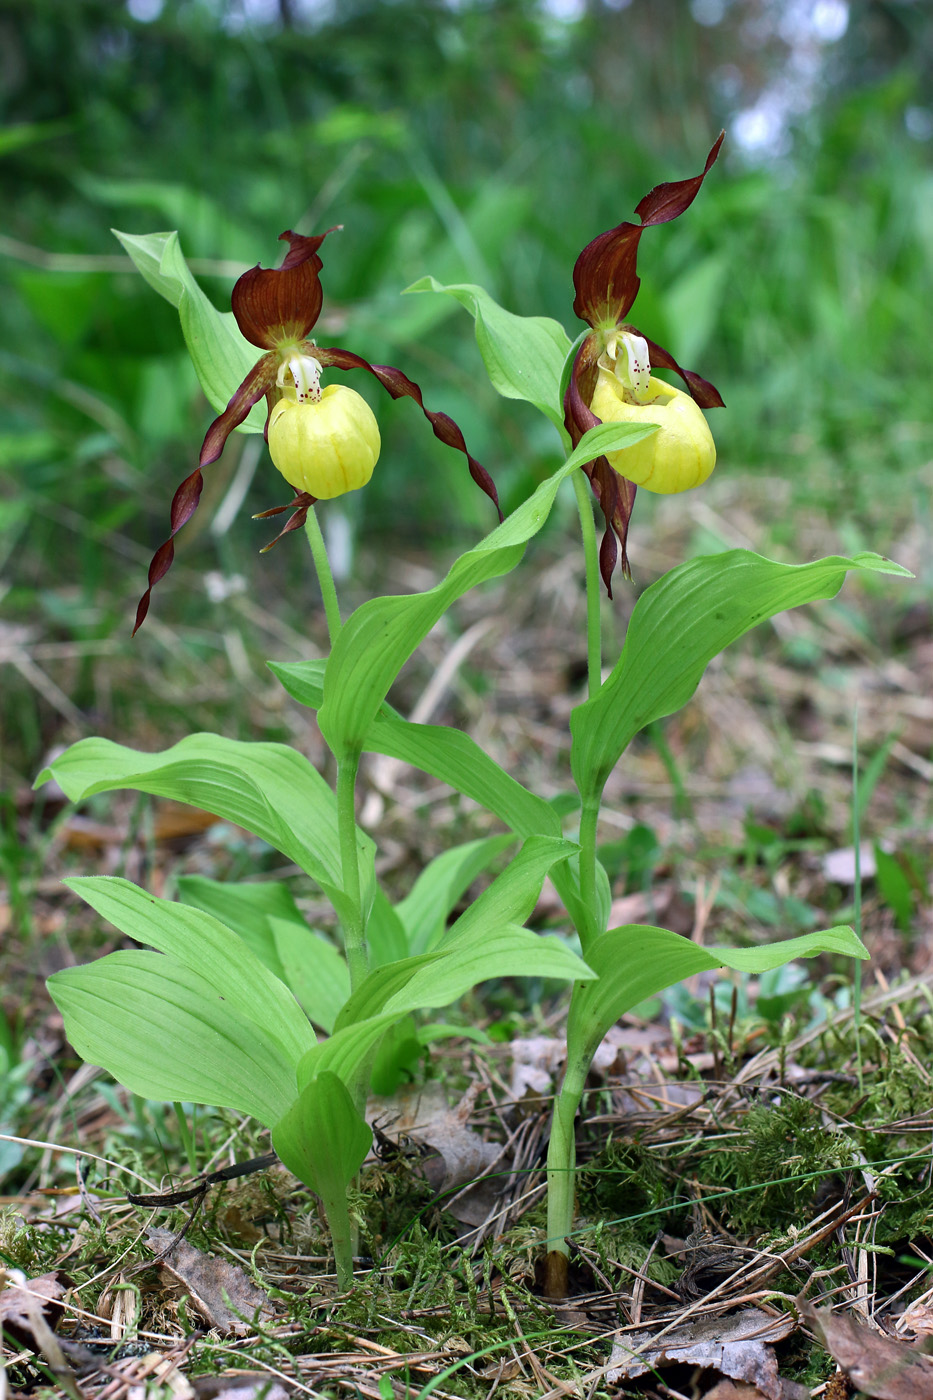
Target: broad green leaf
{"x": 678, "y": 625}
{"x": 433, "y": 980}
{"x": 164, "y": 1033}
{"x": 222, "y": 357}
{"x": 244, "y": 906}
{"x": 208, "y": 948}
{"x": 397, "y": 1058}
{"x": 379, "y": 637}
{"x": 270, "y": 789}
{"x": 385, "y": 932}
{"x": 313, "y": 968}
{"x": 304, "y": 681}
{"x": 266, "y": 917}
{"x": 381, "y": 987}
{"x": 454, "y": 758}
{"x": 424, "y": 910}
{"x": 512, "y": 895}
{"x": 523, "y": 355}
{"x": 636, "y": 961}
{"x": 322, "y": 1138}
{"x": 566, "y": 881}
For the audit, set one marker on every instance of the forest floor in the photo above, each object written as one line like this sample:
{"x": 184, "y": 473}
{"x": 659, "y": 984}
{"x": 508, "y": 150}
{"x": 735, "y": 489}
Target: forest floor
{"x": 755, "y": 1207}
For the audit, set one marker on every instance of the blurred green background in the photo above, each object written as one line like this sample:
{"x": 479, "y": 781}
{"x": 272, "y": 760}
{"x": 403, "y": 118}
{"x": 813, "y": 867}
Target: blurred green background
{"x": 481, "y": 142}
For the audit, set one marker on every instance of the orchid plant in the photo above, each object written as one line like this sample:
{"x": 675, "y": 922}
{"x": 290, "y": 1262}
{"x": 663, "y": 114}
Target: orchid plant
{"x": 232, "y": 1000}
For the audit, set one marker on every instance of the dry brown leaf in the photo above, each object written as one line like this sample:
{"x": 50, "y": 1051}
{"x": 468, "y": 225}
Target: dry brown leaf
{"x": 461, "y": 1155}
{"x": 22, "y": 1299}
{"x": 877, "y": 1365}
{"x": 221, "y": 1291}
{"x": 737, "y": 1346}
{"x": 733, "y": 1390}
{"x": 918, "y": 1319}
{"x": 246, "y": 1385}
{"x": 742, "y": 1390}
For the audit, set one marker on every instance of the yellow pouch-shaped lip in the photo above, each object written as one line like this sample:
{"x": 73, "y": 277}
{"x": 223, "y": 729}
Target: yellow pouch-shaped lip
{"x": 679, "y": 456}
{"x": 326, "y": 448}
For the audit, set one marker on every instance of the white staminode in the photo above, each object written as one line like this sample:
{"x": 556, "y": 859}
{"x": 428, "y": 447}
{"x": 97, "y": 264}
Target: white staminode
{"x": 305, "y": 371}
{"x": 633, "y": 363}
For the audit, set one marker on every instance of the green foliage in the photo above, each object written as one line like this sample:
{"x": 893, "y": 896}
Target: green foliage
{"x": 705, "y": 604}
{"x": 217, "y": 1008}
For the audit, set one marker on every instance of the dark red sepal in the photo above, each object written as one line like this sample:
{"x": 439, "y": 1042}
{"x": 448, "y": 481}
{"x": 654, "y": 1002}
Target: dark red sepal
{"x": 259, "y": 382}
{"x": 615, "y": 494}
{"x": 184, "y": 504}
{"x": 278, "y": 305}
{"x": 604, "y": 276}
{"x": 400, "y": 386}
{"x": 701, "y": 390}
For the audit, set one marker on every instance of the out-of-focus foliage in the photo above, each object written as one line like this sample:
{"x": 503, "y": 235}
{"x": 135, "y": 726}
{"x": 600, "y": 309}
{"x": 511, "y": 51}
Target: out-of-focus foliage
{"x": 481, "y": 142}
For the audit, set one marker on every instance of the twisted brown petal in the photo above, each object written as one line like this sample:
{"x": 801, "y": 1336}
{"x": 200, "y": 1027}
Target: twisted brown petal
{"x": 604, "y": 276}
{"x": 400, "y": 386}
{"x": 276, "y": 305}
{"x": 184, "y": 504}
{"x": 259, "y": 381}
{"x": 300, "y": 506}
{"x": 615, "y": 494}
{"x": 701, "y": 390}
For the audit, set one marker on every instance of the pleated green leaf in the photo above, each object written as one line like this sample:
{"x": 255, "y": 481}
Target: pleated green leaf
{"x": 270, "y": 789}
{"x": 453, "y": 757}
{"x": 678, "y": 625}
{"x": 207, "y": 947}
{"x": 523, "y": 355}
{"x": 322, "y": 1138}
{"x": 425, "y": 908}
{"x": 165, "y": 1033}
{"x": 314, "y": 970}
{"x": 433, "y": 980}
{"x": 379, "y": 637}
{"x": 222, "y": 357}
{"x": 637, "y": 961}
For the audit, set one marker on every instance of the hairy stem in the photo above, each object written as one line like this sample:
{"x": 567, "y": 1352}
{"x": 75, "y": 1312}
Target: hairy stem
{"x": 343, "y": 1236}
{"x": 325, "y": 577}
{"x": 354, "y": 931}
{"x": 593, "y": 596}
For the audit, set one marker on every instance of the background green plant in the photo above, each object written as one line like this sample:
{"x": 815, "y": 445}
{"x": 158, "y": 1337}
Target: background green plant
{"x": 488, "y": 147}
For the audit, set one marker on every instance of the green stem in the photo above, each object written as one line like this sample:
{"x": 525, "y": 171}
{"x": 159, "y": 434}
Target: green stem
{"x": 594, "y": 656}
{"x": 589, "y": 817}
{"x": 561, "y": 1176}
{"x": 354, "y": 931}
{"x": 342, "y": 1234}
{"x": 857, "y": 847}
{"x": 325, "y": 577}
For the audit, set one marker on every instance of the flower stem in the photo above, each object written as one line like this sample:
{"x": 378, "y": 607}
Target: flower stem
{"x": 590, "y": 813}
{"x": 354, "y": 932}
{"x": 325, "y": 577}
{"x": 594, "y": 659}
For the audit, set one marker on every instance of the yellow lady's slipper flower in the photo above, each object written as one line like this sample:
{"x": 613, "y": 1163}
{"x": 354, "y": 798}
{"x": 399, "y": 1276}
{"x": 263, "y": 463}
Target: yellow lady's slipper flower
{"x": 680, "y": 455}
{"x": 611, "y": 379}
{"x": 326, "y": 446}
{"x": 323, "y": 441}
